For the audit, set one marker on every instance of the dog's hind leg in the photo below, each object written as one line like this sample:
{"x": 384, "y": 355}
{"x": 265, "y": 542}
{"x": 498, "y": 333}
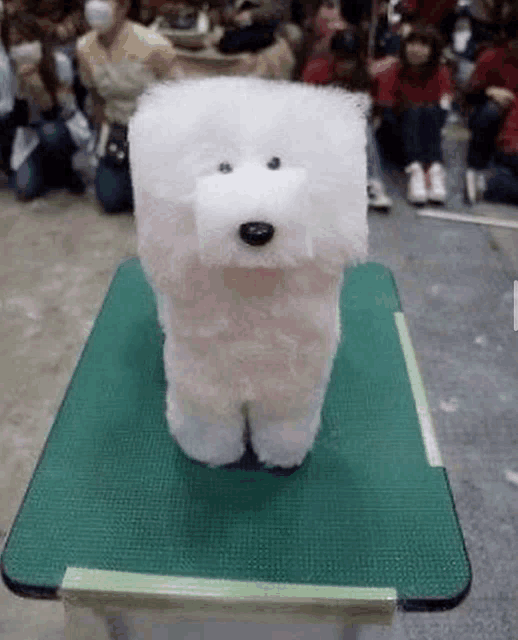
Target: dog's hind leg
{"x": 214, "y": 440}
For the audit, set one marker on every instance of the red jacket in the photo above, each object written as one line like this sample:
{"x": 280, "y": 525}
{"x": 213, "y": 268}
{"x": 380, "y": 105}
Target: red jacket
{"x": 319, "y": 70}
{"x": 507, "y": 139}
{"x": 494, "y": 68}
{"x": 392, "y": 88}
{"x": 322, "y": 71}
{"x": 497, "y": 68}
{"x": 430, "y": 11}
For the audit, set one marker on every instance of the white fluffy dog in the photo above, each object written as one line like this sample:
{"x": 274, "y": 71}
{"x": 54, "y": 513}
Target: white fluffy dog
{"x": 250, "y": 199}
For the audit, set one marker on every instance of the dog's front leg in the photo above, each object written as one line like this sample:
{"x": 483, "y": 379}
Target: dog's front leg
{"x": 284, "y": 440}
{"x": 207, "y": 437}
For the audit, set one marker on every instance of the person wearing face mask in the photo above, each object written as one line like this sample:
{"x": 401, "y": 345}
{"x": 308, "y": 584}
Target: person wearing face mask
{"x": 412, "y": 97}
{"x": 118, "y": 59}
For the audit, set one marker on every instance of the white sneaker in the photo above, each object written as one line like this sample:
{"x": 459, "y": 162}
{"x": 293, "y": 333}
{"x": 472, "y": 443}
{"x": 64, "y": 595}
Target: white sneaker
{"x": 475, "y": 185}
{"x": 416, "y": 184}
{"x": 378, "y": 199}
{"x": 437, "y": 190}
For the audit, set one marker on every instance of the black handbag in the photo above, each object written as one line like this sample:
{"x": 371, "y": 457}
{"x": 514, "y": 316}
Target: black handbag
{"x": 249, "y": 39}
{"x": 20, "y": 113}
{"x": 117, "y": 145}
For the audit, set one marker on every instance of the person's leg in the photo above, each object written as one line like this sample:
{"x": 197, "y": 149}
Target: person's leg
{"x": 58, "y": 149}
{"x": 113, "y": 187}
{"x": 7, "y": 133}
{"x": 431, "y": 121}
{"x": 413, "y": 152}
{"x": 378, "y": 198}
{"x": 483, "y": 122}
{"x": 503, "y": 184}
{"x": 388, "y": 137}
{"x": 128, "y": 189}
{"x": 29, "y": 180}
{"x": 373, "y": 163}
{"x": 411, "y": 135}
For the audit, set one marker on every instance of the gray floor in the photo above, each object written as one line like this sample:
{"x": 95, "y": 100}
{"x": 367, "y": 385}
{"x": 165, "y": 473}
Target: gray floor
{"x": 57, "y": 256}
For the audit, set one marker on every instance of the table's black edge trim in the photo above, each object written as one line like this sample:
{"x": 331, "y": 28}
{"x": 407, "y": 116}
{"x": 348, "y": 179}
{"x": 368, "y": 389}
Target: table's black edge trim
{"x": 28, "y": 591}
{"x": 47, "y": 592}
{"x": 443, "y": 604}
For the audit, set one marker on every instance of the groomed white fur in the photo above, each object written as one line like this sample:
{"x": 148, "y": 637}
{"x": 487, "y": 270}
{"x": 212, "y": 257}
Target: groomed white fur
{"x": 251, "y": 331}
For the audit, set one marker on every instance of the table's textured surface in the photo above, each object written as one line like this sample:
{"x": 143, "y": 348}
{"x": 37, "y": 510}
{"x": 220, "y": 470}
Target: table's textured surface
{"x": 113, "y": 491}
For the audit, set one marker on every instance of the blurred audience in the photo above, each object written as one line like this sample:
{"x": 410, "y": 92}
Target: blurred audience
{"x": 61, "y": 57}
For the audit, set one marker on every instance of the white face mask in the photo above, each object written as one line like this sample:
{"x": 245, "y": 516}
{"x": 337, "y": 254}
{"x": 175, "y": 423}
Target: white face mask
{"x": 100, "y": 14}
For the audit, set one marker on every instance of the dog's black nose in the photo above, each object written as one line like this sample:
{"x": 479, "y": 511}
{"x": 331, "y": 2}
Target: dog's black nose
{"x": 256, "y": 233}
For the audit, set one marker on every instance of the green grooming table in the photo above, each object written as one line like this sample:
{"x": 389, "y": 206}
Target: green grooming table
{"x": 370, "y": 508}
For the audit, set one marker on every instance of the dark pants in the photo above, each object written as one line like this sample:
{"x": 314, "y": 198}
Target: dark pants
{"x": 113, "y": 186}
{"x": 503, "y": 185}
{"x": 484, "y": 123}
{"x": 50, "y": 164}
{"x": 414, "y": 135}
{"x": 7, "y": 133}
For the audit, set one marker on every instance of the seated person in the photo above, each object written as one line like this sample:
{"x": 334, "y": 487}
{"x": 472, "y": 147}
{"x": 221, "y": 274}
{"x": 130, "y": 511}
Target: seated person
{"x": 413, "y": 96}
{"x": 345, "y": 67}
{"x": 54, "y": 129}
{"x": 502, "y": 185}
{"x": 491, "y": 92}
{"x": 117, "y": 60}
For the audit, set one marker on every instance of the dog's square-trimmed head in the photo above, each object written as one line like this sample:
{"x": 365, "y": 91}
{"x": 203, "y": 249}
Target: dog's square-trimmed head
{"x": 247, "y": 172}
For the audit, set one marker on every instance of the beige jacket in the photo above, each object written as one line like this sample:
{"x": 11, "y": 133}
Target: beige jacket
{"x": 138, "y": 57}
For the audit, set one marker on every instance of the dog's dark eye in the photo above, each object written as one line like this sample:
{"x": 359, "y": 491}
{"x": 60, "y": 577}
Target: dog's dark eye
{"x": 274, "y": 163}
{"x": 224, "y": 167}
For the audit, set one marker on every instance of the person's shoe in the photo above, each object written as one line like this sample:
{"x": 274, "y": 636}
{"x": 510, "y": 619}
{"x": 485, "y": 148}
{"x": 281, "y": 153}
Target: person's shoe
{"x": 416, "y": 184}
{"x": 378, "y": 199}
{"x": 475, "y": 185}
{"x": 437, "y": 178}
{"x": 76, "y": 185}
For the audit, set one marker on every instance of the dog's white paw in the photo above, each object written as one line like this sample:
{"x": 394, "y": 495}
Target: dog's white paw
{"x": 212, "y": 443}
{"x": 283, "y": 444}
